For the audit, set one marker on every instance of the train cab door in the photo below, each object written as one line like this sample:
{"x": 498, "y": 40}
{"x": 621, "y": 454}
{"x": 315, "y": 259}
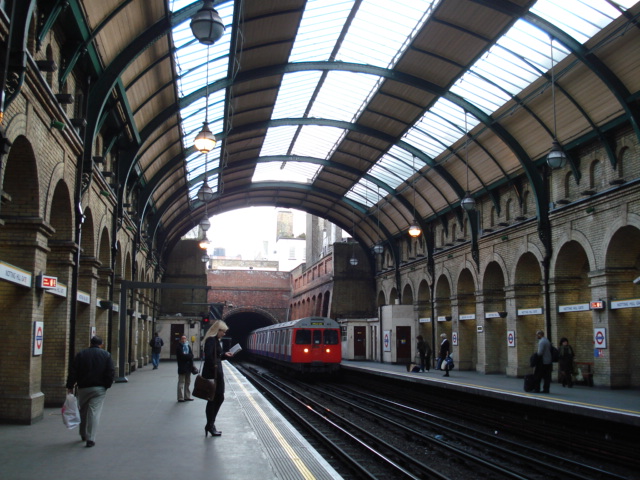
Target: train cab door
{"x": 359, "y": 343}
{"x": 316, "y": 345}
{"x": 403, "y": 344}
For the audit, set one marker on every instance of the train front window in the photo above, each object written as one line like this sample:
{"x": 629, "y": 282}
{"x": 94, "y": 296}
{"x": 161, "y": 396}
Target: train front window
{"x": 317, "y": 337}
{"x": 303, "y": 337}
{"x": 331, "y": 337}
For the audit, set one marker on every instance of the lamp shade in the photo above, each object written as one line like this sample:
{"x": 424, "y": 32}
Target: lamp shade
{"x": 205, "y": 194}
{"x": 556, "y": 158}
{"x": 468, "y": 202}
{"x": 378, "y": 248}
{"x": 205, "y": 224}
{"x": 353, "y": 261}
{"x": 414, "y": 229}
{"x": 206, "y": 25}
{"x": 205, "y": 258}
{"x": 205, "y": 140}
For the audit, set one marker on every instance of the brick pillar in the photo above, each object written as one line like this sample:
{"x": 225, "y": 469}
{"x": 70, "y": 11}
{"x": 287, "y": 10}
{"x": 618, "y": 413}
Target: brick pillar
{"x": 464, "y": 304}
{"x": 85, "y": 319}
{"x": 55, "y": 351}
{"x": 482, "y": 336}
{"x": 613, "y": 366}
{"x": 23, "y": 243}
{"x": 525, "y": 327}
{"x": 102, "y": 314}
{"x": 114, "y": 348}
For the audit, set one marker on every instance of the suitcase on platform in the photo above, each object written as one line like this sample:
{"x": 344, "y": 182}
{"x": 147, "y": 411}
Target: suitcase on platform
{"x": 529, "y": 383}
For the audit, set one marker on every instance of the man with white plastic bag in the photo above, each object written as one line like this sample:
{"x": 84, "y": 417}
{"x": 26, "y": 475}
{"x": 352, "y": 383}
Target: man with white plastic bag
{"x": 93, "y": 371}
{"x": 70, "y": 412}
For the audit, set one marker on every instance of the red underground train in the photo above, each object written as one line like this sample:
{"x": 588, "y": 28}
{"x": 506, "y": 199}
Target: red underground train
{"x": 307, "y": 345}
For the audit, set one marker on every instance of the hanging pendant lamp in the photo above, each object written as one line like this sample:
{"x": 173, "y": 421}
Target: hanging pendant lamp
{"x": 414, "y": 229}
{"x": 468, "y": 202}
{"x": 557, "y": 158}
{"x": 206, "y": 25}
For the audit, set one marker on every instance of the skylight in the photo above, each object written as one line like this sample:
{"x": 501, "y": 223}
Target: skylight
{"x": 519, "y": 58}
{"x": 337, "y": 95}
{"x": 374, "y": 35}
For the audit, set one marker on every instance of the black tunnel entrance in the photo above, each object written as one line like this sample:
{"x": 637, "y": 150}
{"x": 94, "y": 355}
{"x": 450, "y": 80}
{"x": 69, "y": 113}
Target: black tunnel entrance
{"x": 241, "y": 323}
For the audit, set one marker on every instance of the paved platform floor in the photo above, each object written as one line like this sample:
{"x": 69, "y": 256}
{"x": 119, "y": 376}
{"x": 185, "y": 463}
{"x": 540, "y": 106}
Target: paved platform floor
{"x": 619, "y": 404}
{"x": 146, "y": 434}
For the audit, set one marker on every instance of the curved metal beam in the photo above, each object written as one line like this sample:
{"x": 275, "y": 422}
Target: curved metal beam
{"x": 604, "y": 73}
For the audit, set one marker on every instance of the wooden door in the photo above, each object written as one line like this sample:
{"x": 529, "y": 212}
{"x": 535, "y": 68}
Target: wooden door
{"x": 403, "y": 344}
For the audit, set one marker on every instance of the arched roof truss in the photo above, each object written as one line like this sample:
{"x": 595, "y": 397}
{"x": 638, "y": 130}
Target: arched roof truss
{"x": 356, "y": 112}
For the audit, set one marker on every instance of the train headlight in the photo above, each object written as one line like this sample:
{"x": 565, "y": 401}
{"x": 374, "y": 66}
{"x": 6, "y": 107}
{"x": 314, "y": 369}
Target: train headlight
{"x": 306, "y": 350}
{"x": 328, "y": 350}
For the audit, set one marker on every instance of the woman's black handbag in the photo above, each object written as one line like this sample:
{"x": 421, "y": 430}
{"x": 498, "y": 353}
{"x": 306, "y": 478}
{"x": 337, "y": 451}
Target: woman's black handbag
{"x": 204, "y": 388}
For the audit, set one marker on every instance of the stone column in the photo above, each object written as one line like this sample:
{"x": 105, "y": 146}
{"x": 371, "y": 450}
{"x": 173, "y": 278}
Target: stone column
{"x": 23, "y": 241}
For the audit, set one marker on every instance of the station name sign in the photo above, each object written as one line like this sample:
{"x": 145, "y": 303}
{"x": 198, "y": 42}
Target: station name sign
{"x": 530, "y": 311}
{"x": 15, "y": 275}
{"x": 633, "y": 303}
{"x": 579, "y": 307}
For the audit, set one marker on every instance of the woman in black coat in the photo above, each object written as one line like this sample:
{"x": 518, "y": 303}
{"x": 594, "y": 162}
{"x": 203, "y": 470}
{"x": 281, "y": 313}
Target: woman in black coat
{"x": 565, "y": 363}
{"x": 213, "y": 356}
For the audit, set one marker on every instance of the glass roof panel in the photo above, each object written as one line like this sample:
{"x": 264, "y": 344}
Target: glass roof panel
{"x": 581, "y": 19}
{"x": 316, "y": 141}
{"x": 298, "y": 172}
{"x": 277, "y": 139}
{"x": 365, "y": 192}
{"x": 197, "y": 163}
{"x": 342, "y": 95}
{"x": 339, "y": 103}
{"x": 395, "y": 166}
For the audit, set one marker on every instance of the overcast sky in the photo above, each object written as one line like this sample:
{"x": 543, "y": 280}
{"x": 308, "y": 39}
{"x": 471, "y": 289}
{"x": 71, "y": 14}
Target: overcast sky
{"x": 242, "y": 232}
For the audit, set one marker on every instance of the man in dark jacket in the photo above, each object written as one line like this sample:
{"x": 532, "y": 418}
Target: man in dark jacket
{"x": 184, "y": 355}
{"x": 156, "y": 345}
{"x": 93, "y": 371}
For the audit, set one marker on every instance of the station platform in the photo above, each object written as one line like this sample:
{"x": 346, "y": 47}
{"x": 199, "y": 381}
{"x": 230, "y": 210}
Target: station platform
{"x": 145, "y": 434}
{"x": 622, "y": 406}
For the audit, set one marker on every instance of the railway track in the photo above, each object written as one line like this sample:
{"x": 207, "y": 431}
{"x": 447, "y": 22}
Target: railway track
{"x": 356, "y": 453}
{"x": 370, "y": 436}
{"x": 593, "y": 441}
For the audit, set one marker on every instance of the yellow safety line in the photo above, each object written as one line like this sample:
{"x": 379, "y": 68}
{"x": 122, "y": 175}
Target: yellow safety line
{"x": 297, "y": 461}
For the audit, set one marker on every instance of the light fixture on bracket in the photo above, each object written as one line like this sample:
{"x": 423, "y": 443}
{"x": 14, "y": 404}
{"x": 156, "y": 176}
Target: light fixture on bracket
{"x": 206, "y": 25}
{"x": 468, "y": 202}
{"x": 378, "y": 248}
{"x": 414, "y": 229}
{"x": 557, "y": 158}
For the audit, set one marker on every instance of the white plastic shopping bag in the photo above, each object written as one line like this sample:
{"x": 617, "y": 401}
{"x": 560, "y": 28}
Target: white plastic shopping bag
{"x": 71, "y": 412}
